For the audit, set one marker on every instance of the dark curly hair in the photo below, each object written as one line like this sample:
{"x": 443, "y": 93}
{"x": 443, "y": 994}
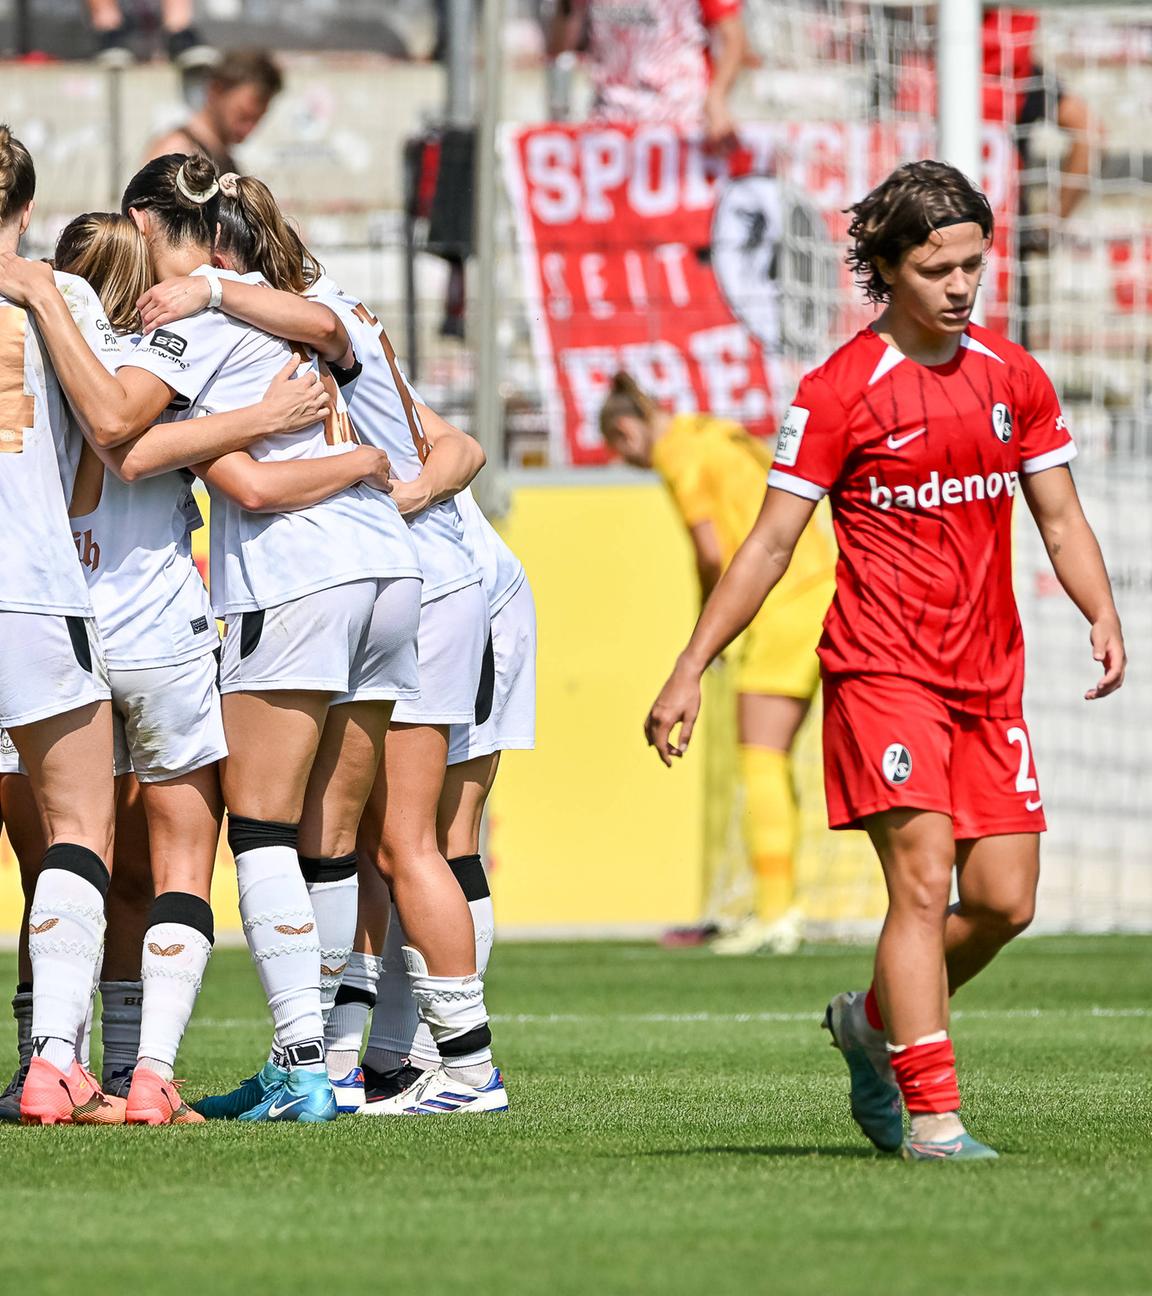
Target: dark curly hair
{"x": 903, "y": 211}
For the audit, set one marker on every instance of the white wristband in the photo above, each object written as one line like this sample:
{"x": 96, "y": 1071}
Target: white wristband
{"x": 216, "y": 295}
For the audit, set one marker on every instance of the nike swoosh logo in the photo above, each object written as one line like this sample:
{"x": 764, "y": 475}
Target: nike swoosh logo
{"x": 894, "y": 443}
{"x": 279, "y": 1110}
{"x": 1033, "y": 805}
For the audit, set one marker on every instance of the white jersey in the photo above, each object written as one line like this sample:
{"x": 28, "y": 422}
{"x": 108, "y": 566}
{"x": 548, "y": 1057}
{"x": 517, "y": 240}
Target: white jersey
{"x": 379, "y": 419}
{"x": 502, "y": 571}
{"x": 216, "y": 364}
{"x": 135, "y": 545}
{"x": 38, "y": 455}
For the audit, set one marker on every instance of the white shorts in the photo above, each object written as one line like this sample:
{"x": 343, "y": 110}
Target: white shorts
{"x": 357, "y": 641}
{"x": 453, "y": 632}
{"x": 505, "y": 719}
{"x": 48, "y": 665}
{"x": 166, "y": 719}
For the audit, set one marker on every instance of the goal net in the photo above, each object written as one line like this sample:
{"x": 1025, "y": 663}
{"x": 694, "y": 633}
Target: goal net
{"x": 1067, "y": 95}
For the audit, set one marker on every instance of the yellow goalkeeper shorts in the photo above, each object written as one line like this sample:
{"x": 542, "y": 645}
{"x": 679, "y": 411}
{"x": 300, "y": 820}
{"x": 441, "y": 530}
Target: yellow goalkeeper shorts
{"x": 777, "y": 653}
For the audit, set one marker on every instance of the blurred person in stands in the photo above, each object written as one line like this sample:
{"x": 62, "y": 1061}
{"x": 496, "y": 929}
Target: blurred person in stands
{"x": 716, "y": 475}
{"x": 1016, "y": 96}
{"x": 657, "y": 60}
{"x": 239, "y": 93}
{"x": 113, "y": 33}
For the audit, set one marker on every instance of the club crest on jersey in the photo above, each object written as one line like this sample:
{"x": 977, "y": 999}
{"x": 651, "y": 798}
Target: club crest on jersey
{"x": 1002, "y": 422}
{"x": 165, "y": 340}
{"x": 790, "y": 435}
{"x": 897, "y": 764}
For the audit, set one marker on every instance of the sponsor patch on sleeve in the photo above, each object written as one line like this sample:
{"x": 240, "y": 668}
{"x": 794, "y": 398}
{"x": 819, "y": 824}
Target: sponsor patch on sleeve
{"x": 790, "y": 435}
{"x": 165, "y": 340}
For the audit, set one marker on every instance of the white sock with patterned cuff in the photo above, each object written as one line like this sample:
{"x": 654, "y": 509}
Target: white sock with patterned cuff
{"x": 334, "y": 890}
{"x": 177, "y": 947}
{"x": 344, "y": 1031}
{"x": 65, "y": 942}
{"x": 453, "y": 1009}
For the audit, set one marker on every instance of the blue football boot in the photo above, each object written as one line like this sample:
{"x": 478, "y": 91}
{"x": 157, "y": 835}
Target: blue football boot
{"x": 961, "y": 1148}
{"x": 254, "y": 1090}
{"x": 874, "y": 1096}
{"x": 305, "y": 1097}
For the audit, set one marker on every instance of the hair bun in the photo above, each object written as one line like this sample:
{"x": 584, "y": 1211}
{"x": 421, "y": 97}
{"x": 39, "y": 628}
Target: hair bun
{"x": 196, "y": 180}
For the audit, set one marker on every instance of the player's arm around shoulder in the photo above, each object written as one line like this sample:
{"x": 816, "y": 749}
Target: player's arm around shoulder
{"x": 1079, "y": 566}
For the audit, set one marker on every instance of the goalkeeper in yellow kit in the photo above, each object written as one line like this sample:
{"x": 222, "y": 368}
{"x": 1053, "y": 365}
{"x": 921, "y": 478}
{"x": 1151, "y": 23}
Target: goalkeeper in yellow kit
{"x": 716, "y": 474}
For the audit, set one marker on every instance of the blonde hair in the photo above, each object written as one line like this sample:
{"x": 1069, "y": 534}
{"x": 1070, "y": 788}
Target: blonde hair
{"x": 110, "y": 252}
{"x": 256, "y": 234}
{"x": 17, "y": 176}
{"x": 625, "y": 399}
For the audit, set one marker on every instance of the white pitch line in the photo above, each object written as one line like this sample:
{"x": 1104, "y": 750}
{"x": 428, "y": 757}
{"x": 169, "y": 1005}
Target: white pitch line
{"x": 732, "y": 1019}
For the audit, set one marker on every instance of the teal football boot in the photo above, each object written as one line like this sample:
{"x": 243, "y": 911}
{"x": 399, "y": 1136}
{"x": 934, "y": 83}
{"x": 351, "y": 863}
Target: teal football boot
{"x": 961, "y": 1148}
{"x": 874, "y": 1096}
{"x": 305, "y": 1096}
{"x": 254, "y": 1090}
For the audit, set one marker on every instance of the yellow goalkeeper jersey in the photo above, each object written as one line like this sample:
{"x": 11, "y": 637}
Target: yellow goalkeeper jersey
{"x": 717, "y": 473}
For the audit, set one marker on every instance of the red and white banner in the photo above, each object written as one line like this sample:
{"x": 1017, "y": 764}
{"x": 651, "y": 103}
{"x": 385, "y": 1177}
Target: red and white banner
{"x": 715, "y": 282}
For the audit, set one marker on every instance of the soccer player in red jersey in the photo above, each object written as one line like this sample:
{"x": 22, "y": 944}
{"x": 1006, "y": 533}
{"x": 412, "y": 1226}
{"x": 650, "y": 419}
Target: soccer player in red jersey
{"x": 921, "y": 430}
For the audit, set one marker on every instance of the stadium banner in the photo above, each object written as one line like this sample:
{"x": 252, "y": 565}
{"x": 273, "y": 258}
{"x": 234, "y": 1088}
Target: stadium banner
{"x": 714, "y": 280}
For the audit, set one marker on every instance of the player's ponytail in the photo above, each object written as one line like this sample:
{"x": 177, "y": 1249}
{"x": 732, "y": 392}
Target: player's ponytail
{"x": 625, "y": 399}
{"x": 257, "y": 237}
{"x": 17, "y": 176}
{"x": 109, "y": 251}
{"x": 182, "y": 193}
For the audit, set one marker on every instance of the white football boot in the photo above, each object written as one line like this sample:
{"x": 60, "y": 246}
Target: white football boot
{"x": 437, "y": 1094}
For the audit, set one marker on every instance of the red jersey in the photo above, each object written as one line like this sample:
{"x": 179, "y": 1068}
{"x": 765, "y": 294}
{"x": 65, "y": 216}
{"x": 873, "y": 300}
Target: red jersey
{"x": 648, "y": 59}
{"x": 922, "y": 464}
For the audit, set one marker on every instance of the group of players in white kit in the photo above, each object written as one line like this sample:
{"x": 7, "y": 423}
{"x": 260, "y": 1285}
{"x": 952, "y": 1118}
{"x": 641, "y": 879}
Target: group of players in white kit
{"x": 378, "y": 654}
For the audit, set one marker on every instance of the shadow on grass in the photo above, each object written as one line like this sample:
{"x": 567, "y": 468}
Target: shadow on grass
{"x": 768, "y": 1150}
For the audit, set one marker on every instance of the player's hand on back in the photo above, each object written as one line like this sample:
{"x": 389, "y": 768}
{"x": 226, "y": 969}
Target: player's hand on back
{"x": 174, "y": 299}
{"x": 410, "y": 497}
{"x": 20, "y": 278}
{"x": 294, "y": 400}
{"x": 678, "y": 704}
{"x": 377, "y": 470}
{"x": 1108, "y": 648}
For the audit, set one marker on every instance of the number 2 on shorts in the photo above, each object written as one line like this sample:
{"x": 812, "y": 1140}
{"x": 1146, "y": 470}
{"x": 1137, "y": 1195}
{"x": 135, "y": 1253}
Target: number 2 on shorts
{"x": 1025, "y": 782}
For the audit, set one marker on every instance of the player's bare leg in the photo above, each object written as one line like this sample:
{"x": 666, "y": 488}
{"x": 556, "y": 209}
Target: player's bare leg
{"x": 767, "y": 726}
{"x": 69, "y": 763}
{"x": 917, "y": 853}
{"x": 398, "y": 834}
{"x": 996, "y": 879}
{"x": 183, "y": 825}
{"x": 460, "y": 812}
{"x": 21, "y": 817}
{"x": 342, "y": 777}
{"x": 129, "y": 902}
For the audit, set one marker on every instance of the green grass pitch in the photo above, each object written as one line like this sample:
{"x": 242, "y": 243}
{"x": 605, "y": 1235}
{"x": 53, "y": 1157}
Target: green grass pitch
{"x": 679, "y": 1125}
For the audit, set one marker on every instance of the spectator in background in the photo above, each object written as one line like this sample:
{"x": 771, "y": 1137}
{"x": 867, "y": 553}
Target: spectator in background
{"x": 1015, "y": 96}
{"x": 237, "y": 96}
{"x": 185, "y": 48}
{"x": 658, "y": 60}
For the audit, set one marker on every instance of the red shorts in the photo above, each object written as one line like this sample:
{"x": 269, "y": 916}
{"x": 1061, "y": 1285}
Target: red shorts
{"x": 891, "y": 743}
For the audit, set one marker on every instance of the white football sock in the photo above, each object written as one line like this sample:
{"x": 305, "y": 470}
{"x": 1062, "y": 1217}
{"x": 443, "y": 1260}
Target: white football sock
{"x": 453, "y": 1008}
{"x": 65, "y": 942}
{"x": 344, "y": 1031}
{"x": 469, "y": 872}
{"x": 177, "y": 946}
{"x": 333, "y": 888}
{"x": 84, "y": 1039}
{"x": 120, "y": 1005}
{"x": 395, "y": 1019}
{"x": 280, "y": 928}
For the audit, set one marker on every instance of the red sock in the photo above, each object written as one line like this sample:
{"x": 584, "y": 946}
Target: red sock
{"x": 926, "y": 1074}
{"x": 872, "y": 1010}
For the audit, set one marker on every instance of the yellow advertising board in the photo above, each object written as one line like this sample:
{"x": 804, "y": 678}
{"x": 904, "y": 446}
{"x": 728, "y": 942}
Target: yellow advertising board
{"x": 590, "y": 832}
